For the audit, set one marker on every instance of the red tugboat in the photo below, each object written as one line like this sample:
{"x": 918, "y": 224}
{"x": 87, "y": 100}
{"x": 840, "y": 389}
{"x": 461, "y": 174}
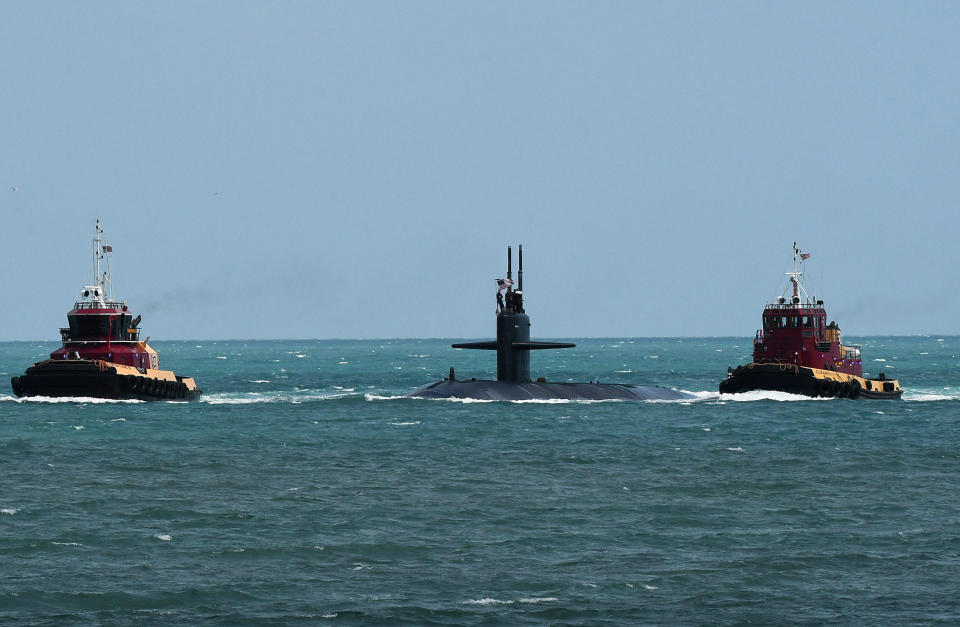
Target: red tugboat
{"x": 798, "y": 352}
{"x": 102, "y": 355}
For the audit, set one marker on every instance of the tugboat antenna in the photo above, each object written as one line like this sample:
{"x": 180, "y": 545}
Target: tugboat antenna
{"x": 520, "y": 268}
{"x": 103, "y": 281}
{"x": 108, "y": 284}
{"x": 795, "y": 277}
{"x": 96, "y": 256}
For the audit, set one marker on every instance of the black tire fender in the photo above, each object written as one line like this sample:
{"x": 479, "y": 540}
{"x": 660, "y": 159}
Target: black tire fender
{"x": 829, "y": 388}
{"x": 854, "y": 389}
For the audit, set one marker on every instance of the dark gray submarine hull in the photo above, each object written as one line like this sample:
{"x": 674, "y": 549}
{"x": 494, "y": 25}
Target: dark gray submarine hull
{"x": 546, "y": 390}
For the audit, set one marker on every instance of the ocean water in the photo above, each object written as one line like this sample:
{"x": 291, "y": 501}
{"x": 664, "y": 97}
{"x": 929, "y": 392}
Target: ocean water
{"x": 304, "y": 489}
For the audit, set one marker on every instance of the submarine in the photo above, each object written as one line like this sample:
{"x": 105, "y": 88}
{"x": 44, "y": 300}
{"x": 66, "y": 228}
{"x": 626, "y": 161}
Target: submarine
{"x": 513, "y": 346}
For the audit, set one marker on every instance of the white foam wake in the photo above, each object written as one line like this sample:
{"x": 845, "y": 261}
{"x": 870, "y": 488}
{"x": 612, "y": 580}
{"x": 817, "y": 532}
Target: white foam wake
{"x": 492, "y": 601}
{"x": 769, "y": 395}
{"x": 380, "y": 397}
{"x": 247, "y": 398}
{"x": 67, "y": 399}
{"x": 564, "y": 401}
{"x": 926, "y": 396}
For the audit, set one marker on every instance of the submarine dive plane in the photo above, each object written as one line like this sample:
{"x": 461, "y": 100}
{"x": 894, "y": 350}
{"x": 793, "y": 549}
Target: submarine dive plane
{"x": 798, "y": 352}
{"x": 513, "y": 346}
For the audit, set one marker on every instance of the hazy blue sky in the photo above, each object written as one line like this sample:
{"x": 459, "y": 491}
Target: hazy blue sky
{"x": 356, "y": 169}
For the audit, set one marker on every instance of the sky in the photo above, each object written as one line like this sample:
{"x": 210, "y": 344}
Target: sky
{"x": 357, "y": 169}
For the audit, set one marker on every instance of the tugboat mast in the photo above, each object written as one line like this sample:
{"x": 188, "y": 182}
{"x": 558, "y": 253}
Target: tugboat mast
{"x": 96, "y": 256}
{"x": 103, "y": 281}
{"x": 795, "y": 278}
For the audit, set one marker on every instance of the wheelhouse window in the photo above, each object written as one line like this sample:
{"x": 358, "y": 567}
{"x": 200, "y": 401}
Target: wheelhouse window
{"x": 87, "y": 326}
{"x": 93, "y": 326}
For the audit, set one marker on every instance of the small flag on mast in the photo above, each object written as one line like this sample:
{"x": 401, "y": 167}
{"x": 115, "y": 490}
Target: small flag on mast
{"x": 804, "y": 256}
{"x": 503, "y": 284}
{"x": 109, "y": 249}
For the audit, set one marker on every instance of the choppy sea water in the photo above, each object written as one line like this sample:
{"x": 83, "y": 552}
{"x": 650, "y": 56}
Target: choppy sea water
{"x": 304, "y": 489}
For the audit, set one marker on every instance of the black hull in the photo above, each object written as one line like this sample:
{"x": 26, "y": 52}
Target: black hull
{"x": 509, "y": 391}
{"x": 86, "y": 378}
{"x": 804, "y": 381}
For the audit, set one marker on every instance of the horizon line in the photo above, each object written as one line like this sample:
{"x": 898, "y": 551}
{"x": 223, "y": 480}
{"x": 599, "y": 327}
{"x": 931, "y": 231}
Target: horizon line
{"x": 462, "y": 337}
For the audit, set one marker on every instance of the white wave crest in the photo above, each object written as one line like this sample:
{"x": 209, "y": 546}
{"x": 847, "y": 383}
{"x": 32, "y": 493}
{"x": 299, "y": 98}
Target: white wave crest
{"x": 464, "y": 400}
{"x": 563, "y": 401}
{"x": 929, "y": 396}
{"x": 164, "y": 537}
{"x": 246, "y": 398}
{"x": 492, "y": 601}
{"x": 9, "y": 511}
{"x": 404, "y": 424}
{"x": 378, "y": 397}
